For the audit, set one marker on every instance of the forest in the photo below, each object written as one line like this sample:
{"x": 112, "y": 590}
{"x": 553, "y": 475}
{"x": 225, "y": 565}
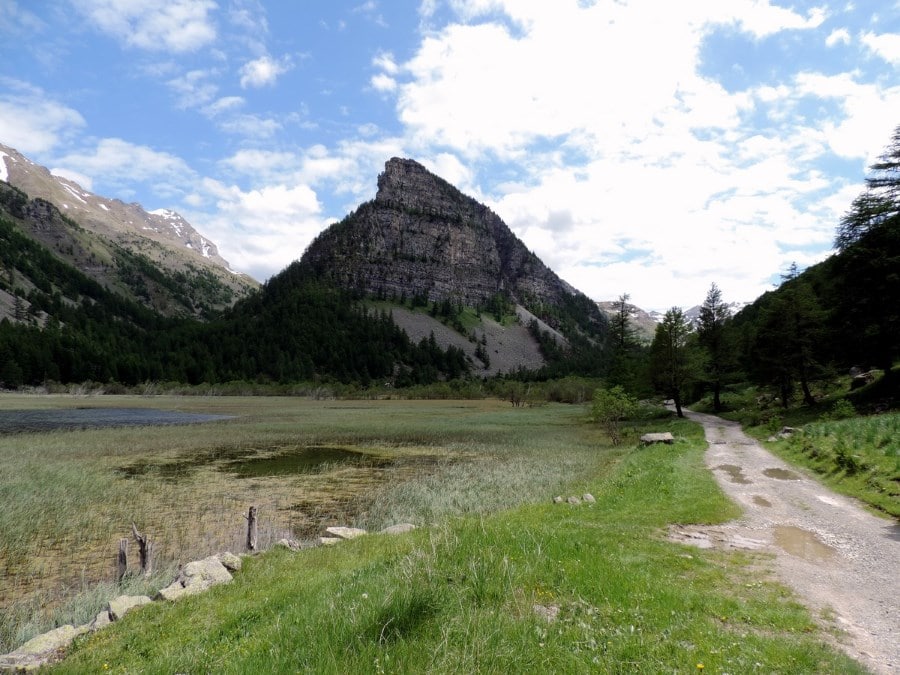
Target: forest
{"x": 816, "y": 325}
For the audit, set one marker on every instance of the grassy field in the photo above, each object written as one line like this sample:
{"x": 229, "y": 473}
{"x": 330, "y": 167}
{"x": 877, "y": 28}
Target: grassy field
{"x": 471, "y": 591}
{"x": 70, "y": 496}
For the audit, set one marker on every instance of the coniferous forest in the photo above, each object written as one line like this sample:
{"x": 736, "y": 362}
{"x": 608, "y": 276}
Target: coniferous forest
{"x": 298, "y": 327}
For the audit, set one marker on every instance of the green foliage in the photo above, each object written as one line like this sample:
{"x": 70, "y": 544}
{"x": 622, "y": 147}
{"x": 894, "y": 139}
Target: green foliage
{"x": 609, "y": 408}
{"x": 674, "y": 358}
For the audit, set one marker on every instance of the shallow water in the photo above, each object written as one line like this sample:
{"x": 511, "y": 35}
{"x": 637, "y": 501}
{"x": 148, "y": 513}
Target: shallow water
{"x": 802, "y": 543}
{"x": 25, "y": 421}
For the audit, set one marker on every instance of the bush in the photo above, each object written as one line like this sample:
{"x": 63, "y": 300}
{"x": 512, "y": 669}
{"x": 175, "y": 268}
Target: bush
{"x": 610, "y": 407}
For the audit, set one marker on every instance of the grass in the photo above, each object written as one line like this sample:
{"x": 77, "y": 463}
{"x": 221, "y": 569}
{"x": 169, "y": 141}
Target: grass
{"x": 463, "y": 595}
{"x": 69, "y": 496}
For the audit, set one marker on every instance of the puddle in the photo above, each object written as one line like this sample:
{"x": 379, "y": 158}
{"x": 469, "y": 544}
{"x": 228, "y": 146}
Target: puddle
{"x": 782, "y": 474}
{"x": 761, "y": 501}
{"x": 735, "y": 473}
{"x": 309, "y": 459}
{"x": 802, "y": 543}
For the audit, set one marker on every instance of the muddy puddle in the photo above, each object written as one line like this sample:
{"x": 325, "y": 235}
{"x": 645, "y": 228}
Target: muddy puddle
{"x": 782, "y": 474}
{"x": 735, "y": 473}
{"x": 802, "y": 543}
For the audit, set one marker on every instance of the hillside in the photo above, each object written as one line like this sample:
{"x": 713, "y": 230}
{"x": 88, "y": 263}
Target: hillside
{"x": 424, "y": 241}
{"x": 156, "y": 258}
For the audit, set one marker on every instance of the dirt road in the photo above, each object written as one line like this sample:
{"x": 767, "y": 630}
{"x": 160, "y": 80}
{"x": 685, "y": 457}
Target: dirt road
{"x": 841, "y": 561}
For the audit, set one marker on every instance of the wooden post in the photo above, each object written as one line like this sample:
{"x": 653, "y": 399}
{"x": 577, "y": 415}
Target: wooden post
{"x": 251, "y": 529}
{"x": 145, "y": 550}
{"x": 122, "y": 560}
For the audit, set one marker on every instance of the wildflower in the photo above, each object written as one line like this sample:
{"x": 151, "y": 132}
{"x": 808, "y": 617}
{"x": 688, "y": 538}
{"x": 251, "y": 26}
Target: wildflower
{"x": 700, "y": 666}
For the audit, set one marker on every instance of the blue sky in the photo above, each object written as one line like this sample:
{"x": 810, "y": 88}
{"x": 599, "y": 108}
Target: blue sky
{"x": 646, "y": 147}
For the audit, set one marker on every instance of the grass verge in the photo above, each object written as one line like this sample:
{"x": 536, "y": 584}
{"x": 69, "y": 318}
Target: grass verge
{"x": 473, "y": 593}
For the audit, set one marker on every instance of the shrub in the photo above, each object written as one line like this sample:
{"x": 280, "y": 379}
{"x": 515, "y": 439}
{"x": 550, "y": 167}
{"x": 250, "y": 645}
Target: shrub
{"x": 610, "y": 407}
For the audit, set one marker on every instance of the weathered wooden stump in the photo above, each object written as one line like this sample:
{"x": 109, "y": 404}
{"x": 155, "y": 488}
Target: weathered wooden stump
{"x": 251, "y": 529}
{"x": 145, "y": 550}
{"x": 122, "y": 560}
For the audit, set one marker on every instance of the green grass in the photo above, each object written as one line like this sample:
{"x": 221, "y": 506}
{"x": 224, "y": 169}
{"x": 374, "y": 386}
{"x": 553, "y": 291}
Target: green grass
{"x": 859, "y": 456}
{"x": 460, "y": 596}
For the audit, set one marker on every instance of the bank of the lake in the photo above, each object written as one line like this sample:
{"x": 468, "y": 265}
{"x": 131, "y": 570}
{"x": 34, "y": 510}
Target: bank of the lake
{"x": 538, "y": 587}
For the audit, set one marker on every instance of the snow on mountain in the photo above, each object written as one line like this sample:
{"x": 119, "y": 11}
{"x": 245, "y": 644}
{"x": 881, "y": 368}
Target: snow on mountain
{"x": 4, "y": 173}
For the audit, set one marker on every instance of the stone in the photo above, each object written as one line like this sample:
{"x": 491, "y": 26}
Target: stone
{"x": 290, "y": 544}
{"x": 573, "y": 500}
{"x": 207, "y": 572}
{"x": 329, "y": 541}
{"x": 175, "y": 591}
{"x": 344, "y": 532}
{"x": 663, "y": 437}
{"x": 399, "y": 528}
{"x": 102, "y": 620}
{"x": 41, "y": 650}
{"x": 119, "y": 607}
{"x": 589, "y": 498}
{"x": 230, "y": 561}
{"x": 546, "y": 612}
{"x": 558, "y": 499}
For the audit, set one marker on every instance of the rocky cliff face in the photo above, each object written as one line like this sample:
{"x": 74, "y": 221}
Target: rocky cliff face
{"x": 422, "y": 236}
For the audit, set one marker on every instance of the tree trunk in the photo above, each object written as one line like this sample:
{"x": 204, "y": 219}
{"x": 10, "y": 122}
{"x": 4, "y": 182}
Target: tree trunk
{"x": 717, "y": 399}
{"x": 676, "y": 397}
{"x": 145, "y": 550}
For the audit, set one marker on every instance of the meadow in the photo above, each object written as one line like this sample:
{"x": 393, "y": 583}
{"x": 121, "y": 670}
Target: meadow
{"x": 496, "y": 578}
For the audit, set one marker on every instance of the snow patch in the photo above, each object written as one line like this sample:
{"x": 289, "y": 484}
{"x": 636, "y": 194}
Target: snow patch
{"x": 205, "y": 247}
{"x": 72, "y": 191}
{"x": 104, "y": 207}
{"x": 4, "y": 174}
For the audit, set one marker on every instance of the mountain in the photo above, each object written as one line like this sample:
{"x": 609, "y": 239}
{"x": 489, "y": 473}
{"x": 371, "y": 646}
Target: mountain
{"x": 421, "y": 239}
{"x": 122, "y": 246}
{"x": 644, "y": 323}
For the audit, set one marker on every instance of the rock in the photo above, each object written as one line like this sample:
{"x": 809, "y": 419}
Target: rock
{"x": 329, "y": 541}
{"x": 230, "y": 561}
{"x": 344, "y": 532}
{"x": 102, "y": 620}
{"x": 207, "y": 572}
{"x": 589, "y": 498}
{"x": 196, "y": 577}
{"x": 573, "y": 500}
{"x": 119, "y": 607}
{"x": 40, "y": 650}
{"x": 664, "y": 437}
{"x": 290, "y": 544}
{"x": 547, "y": 612}
{"x": 558, "y": 499}
{"x": 861, "y": 380}
{"x": 399, "y": 528}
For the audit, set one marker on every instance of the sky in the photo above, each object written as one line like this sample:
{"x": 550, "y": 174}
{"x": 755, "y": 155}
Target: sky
{"x": 646, "y": 147}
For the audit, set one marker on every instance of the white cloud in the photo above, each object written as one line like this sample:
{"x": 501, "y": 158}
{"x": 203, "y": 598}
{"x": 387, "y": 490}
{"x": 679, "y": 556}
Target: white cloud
{"x": 838, "y": 36}
{"x": 383, "y": 83}
{"x": 165, "y": 25}
{"x": 32, "y": 122}
{"x": 223, "y": 105}
{"x": 276, "y": 224}
{"x": 263, "y": 71}
{"x": 194, "y": 88}
{"x": 886, "y": 46}
{"x": 82, "y": 179}
{"x": 119, "y": 163}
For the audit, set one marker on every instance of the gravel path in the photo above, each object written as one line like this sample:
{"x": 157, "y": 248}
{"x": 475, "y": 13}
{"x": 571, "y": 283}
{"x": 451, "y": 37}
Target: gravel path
{"x": 842, "y": 562}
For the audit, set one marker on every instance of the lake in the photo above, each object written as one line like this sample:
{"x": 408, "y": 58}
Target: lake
{"x": 25, "y": 421}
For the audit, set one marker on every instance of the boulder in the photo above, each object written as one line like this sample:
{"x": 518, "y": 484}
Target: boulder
{"x": 196, "y": 577}
{"x": 573, "y": 500}
{"x": 40, "y": 650}
{"x": 663, "y": 437}
{"x": 329, "y": 541}
{"x": 344, "y": 532}
{"x": 290, "y": 544}
{"x": 119, "y": 607}
{"x": 589, "y": 498}
{"x": 230, "y": 561}
{"x": 399, "y": 528}
{"x": 102, "y": 620}
{"x": 558, "y": 499}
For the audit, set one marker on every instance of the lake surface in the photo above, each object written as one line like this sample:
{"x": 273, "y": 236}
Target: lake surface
{"x": 22, "y": 421}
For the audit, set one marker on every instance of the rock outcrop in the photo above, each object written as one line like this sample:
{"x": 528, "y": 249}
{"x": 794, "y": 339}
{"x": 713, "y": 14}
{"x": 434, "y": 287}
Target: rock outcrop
{"x": 421, "y": 236}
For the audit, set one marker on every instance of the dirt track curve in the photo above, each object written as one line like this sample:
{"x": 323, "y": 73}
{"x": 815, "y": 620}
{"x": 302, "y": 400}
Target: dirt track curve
{"x": 841, "y": 561}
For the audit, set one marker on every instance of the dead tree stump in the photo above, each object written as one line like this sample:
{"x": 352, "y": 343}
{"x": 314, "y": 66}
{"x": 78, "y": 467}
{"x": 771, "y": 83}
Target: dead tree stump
{"x": 122, "y": 560}
{"x": 145, "y": 550}
{"x": 251, "y": 529}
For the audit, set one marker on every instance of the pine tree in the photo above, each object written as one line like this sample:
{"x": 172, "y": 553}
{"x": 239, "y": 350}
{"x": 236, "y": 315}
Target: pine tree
{"x": 674, "y": 362}
{"x": 713, "y": 337}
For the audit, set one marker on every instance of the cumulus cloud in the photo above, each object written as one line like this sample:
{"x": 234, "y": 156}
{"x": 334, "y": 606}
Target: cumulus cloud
{"x": 194, "y": 88}
{"x": 838, "y": 36}
{"x": 167, "y": 25}
{"x": 886, "y": 46}
{"x": 32, "y": 122}
{"x": 263, "y": 71}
